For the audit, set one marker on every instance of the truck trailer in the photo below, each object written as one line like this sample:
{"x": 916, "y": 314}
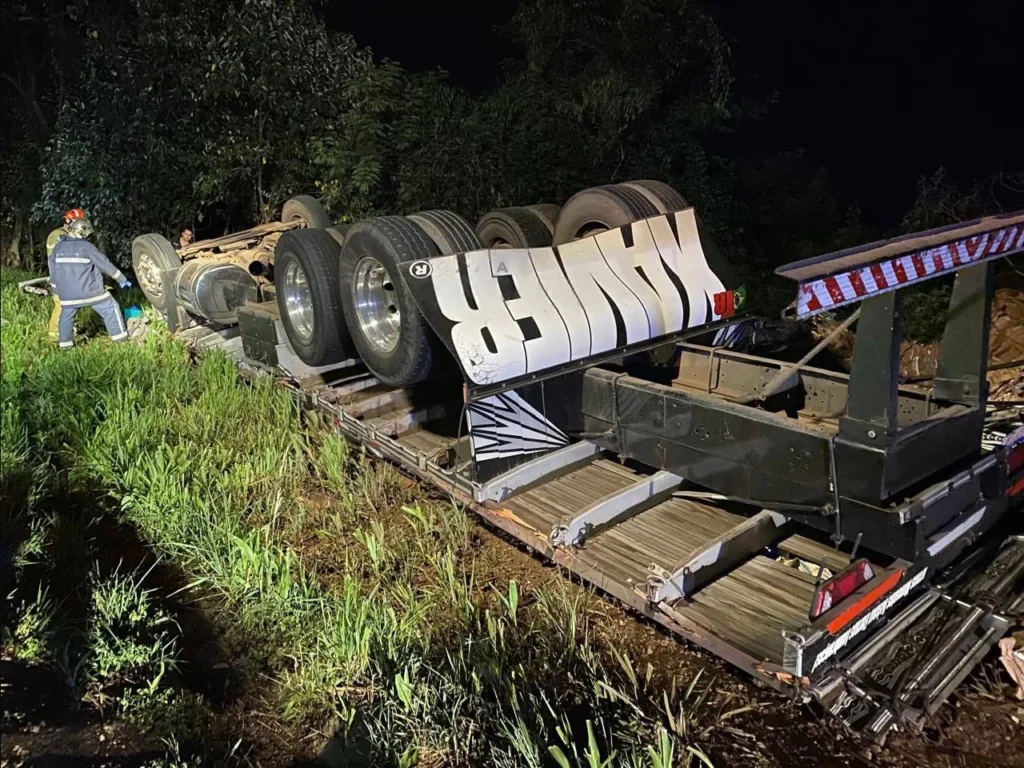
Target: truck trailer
{"x": 587, "y": 380}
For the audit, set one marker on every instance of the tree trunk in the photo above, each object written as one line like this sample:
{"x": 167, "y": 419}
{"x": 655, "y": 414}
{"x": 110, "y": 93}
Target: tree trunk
{"x": 12, "y": 256}
{"x": 31, "y": 262}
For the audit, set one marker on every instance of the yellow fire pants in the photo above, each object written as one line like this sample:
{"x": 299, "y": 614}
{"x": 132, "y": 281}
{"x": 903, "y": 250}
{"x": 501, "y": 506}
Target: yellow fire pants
{"x": 54, "y": 319}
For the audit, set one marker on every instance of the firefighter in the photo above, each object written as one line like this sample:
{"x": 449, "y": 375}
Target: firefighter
{"x": 76, "y": 275}
{"x": 51, "y": 241}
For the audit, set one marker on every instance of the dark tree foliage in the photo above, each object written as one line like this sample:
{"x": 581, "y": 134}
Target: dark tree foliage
{"x": 606, "y": 90}
{"x": 180, "y": 106}
{"x": 154, "y": 114}
{"x": 36, "y": 41}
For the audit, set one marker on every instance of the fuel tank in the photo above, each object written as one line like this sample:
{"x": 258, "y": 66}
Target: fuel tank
{"x": 214, "y": 290}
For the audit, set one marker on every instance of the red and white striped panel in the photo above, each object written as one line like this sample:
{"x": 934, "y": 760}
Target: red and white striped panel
{"x": 826, "y": 293}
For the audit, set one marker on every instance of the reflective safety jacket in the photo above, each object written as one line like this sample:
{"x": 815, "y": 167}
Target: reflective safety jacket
{"x": 53, "y": 238}
{"x": 76, "y": 272}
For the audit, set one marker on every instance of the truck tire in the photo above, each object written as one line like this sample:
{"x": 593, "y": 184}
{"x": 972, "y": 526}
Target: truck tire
{"x": 386, "y": 327}
{"x": 548, "y": 213}
{"x": 513, "y": 228}
{"x": 338, "y": 232}
{"x": 307, "y": 210}
{"x": 306, "y": 284}
{"x": 450, "y": 232}
{"x": 599, "y": 209}
{"x": 660, "y": 194}
{"x": 152, "y": 255}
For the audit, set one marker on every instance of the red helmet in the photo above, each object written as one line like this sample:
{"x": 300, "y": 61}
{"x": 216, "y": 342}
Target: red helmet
{"x": 74, "y": 213}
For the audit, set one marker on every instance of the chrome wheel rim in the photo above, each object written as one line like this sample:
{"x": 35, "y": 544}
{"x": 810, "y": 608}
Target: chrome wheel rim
{"x": 149, "y": 277}
{"x": 376, "y": 305}
{"x": 298, "y": 298}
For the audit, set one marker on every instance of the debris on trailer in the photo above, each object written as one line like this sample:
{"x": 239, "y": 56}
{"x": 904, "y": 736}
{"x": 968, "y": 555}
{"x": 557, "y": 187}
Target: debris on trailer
{"x": 1011, "y": 654}
{"x": 918, "y": 361}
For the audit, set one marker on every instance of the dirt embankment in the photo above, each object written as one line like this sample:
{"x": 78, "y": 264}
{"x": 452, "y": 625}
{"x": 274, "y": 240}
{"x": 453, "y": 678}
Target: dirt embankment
{"x": 918, "y": 361}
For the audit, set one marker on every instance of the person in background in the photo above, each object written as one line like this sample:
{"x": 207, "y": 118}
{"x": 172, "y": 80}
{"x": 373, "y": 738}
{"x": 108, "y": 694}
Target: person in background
{"x": 76, "y": 275}
{"x": 51, "y": 241}
{"x": 183, "y": 239}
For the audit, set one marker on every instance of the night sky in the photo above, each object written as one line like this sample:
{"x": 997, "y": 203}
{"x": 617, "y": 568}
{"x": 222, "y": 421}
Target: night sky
{"x": 877, "y": 92}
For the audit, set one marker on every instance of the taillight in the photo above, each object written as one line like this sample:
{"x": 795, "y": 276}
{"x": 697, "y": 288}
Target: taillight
{"x": 1016, "y": 459}
{"x": 841, "y": 586}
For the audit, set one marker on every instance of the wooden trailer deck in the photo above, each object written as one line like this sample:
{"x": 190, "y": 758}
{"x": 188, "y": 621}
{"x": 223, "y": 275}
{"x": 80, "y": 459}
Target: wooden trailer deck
{"x": 741, "y": 615}
{"x": 749, "y": 607}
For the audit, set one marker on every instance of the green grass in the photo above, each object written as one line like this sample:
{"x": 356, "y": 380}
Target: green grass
{"x": 344, "y": 595}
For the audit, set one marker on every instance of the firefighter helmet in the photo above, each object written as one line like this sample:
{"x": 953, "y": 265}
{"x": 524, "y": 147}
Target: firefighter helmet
{"x": 79, "y": 228}
{"x": 73, "y": 214}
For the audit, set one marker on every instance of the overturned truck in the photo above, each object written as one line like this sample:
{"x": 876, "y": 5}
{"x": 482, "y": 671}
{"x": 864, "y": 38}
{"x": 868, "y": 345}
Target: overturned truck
{"x": 844, "y": 536}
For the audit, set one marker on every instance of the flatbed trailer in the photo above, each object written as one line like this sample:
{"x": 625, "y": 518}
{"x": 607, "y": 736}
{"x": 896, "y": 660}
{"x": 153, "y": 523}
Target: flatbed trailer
{"x": 842, "y": 537}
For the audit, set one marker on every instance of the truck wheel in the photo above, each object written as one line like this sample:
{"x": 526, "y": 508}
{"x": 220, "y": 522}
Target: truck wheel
{"x": 152, "y": 255}
{"x": 548, "y": 213}
{"x": 306, "y": 283}
{"x": 599, "y": 209}
{"x": 307, "y": 210}
{"x": 387, "y": 329}
{"x": 450, "y": 232}
{"x": 513, "y": 228}
{"x": 660, "y": 194}
{"x": 338, "y": 232}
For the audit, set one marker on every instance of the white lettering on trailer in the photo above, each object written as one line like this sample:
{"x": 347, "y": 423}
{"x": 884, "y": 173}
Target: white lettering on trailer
{"x": 508, "y": 357}
{"x": 868, "y": 619}
{"x": 553, "y": 345}
{"x": 599, "y": 290}
{"x": 574, "y": 301}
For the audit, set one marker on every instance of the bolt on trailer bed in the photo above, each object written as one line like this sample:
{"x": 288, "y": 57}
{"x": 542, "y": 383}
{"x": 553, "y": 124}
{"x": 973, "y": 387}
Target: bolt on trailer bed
{"x": 691, "y": 499}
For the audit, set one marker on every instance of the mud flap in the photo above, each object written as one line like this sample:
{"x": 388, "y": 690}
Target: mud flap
{"x": 522, "y": 319}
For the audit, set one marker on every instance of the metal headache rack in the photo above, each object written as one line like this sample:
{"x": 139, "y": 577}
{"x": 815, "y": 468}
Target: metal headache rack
{"x": 842, "y": 536}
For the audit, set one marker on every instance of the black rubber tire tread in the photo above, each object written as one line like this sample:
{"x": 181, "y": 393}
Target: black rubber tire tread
{"x": 339, "y": 231}
{"x": 163, "y": 255}
{"x": 450, "y": 232}
{"x": 548, "y": 213}
{"x": 612, "y": 206}
{"x": 637, "y": 199}
{"x": 391, "y": 240}
{"x": 317, "y": 252}
{"x": 308, "y": 210}
{"x": 513, "y": 228}
{"x": 665, "y": 198}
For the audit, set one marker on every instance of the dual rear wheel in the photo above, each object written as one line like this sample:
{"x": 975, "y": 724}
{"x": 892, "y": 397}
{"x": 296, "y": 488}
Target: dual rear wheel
{"x": 368, "y": 313}
{"x": 340, "y": 290}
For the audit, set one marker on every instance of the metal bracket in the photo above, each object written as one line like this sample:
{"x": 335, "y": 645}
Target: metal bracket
{"x": 614, "y": 508}
{"x": 963, "y": 353}
{"x": 717, "y": 557}
{"x": 556, "y": 462}
{"x": 875, "y": 375}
